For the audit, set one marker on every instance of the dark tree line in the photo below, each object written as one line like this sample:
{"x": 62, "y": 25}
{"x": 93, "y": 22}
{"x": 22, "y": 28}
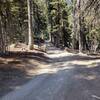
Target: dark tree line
{"x": 20, "y": 21}
{"x": 58, "y": 19}
{"x": 74, "y": 23}
{"x": 86, "y": 29}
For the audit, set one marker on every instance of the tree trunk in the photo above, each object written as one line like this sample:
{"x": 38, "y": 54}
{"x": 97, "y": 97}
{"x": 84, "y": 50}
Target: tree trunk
{"x": 30, "y": 32}
{"x": 79, "y": 28}
{"x": 74, "y": 25}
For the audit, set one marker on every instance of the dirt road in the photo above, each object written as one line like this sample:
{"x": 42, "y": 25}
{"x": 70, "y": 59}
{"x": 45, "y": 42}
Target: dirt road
{"x": 66, "y": 77}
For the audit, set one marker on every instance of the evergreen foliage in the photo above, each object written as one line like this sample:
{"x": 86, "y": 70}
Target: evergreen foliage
{"x": 73, "y": 23}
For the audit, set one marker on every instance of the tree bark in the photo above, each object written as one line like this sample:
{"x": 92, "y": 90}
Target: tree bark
{"x": 79, "y": 26}
{"x": 30, "y": 32}
{"x": 74, "y": 25}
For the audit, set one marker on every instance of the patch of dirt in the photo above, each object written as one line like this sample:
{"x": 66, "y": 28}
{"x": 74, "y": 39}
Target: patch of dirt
{"x": 23, "y": 47}
{"x": 17, "y": 68}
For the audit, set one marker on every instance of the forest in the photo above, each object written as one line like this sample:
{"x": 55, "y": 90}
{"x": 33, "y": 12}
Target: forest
{"x": 74, "y": 24}
{"x": 50, "y": 49}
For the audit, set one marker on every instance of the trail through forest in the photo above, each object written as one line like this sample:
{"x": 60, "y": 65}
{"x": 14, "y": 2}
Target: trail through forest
{"x": 65, "y": 76}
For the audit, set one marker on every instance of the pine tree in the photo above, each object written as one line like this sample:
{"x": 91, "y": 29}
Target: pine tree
{"x": 58, "y": 18}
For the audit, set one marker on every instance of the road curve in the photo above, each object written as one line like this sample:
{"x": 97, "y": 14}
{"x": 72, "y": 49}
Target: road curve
{"x": 61, "y": 80}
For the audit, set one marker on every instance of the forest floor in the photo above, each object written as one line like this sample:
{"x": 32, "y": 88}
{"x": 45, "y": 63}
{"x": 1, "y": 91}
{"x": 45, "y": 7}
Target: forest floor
{"x": 57, "y": 75}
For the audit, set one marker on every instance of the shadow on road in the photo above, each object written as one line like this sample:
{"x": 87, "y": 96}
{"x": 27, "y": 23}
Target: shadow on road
{"x": 14, "y": 69}
{"x": 81, "y": 79}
